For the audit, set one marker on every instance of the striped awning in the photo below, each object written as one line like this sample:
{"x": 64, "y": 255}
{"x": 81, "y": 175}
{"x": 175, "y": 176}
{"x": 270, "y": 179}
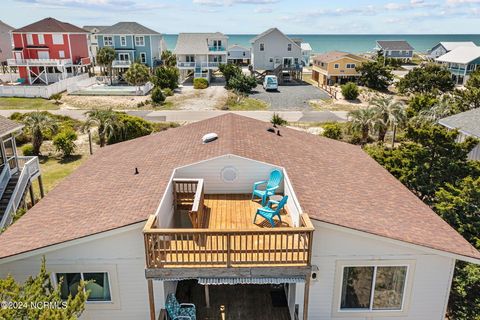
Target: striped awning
{"x": 232, "y": 281}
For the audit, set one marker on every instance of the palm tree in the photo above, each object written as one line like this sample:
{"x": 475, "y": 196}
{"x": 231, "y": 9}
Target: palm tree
{"x": 107, "y": 122}
{"x": 439, "y": 110}
{"x": 389, "y": 113}
{"x": 105, "y": 58}
{"x": 37, "y": 124}
{"x": 362, "y": 120}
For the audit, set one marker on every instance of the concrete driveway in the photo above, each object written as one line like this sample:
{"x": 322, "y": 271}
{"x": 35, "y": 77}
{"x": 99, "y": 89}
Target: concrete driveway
{"x": 290, "y": 97}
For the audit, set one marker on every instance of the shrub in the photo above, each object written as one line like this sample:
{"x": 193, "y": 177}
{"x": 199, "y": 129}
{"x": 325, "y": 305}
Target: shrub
{"x": 350, "y": 91}
{"x": 168, "y": 92}
{"x": 242, "y": 84}
{"x": 27, "y": 150}
{"x": 130, "y": 127}
{"x": 277, "y": 120}
{"x": 200, "y": 83}
{"x": 157, "y": 95}
{"x": 229, "y": 71}
{"x": 332, "y": 130}
{"x": 56, "y": 97}
{"x": 166, "y": 77}
{"x": 64, "y": 142}
{"x": 162, "y": 126}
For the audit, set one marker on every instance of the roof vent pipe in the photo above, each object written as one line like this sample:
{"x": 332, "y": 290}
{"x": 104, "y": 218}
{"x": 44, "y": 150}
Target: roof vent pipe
{"x": 209, "y": 137}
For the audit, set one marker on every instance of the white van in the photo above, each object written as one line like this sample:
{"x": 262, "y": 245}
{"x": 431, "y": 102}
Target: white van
{"x": 270, "y": 83}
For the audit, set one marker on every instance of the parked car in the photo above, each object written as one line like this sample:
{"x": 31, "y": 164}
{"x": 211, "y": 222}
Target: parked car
{"x": 270, "y": 83}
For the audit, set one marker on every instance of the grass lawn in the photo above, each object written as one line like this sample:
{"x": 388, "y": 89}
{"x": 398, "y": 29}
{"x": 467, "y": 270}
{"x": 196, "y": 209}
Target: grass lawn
{"x": 27, "y": 104}
{"x": 245, "y": 104}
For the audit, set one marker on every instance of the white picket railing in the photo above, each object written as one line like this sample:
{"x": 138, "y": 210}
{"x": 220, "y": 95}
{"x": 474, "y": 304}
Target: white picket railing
{"x": 4, "y": 178}
{"x": 29, "y": 168}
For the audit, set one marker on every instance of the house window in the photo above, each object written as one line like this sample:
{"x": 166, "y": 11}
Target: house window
{"x": 143, "y": 57}
{"x": 262, "y": 47}
{"x": 139, "y": 41}
{"x": 29, "y": 39}
{"x": 244, "y": 54}
{"x": 270, "y": 60}
{"x": 336, "y": 66}
{"x": 190, "y": 58}
{"x": 373, "y": 288}
{"x": 289, "y": 47}
{"x": 41, "y": 39}
{"x": 124, "y": 57}
{"x": 350, "y": 65}
{"x": 10, "y": 152}
{"x": 99, "y": 285}
{"x": 123, "y": 41}
{"x": 61, "y": 54}
{"x": 57, "y": 39}
{"x": 108, "y": 41}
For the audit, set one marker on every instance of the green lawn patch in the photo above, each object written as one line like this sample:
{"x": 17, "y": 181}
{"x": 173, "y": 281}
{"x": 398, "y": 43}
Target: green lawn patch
{"x": 245, "y": 104}
{"x": 27, "y": 104}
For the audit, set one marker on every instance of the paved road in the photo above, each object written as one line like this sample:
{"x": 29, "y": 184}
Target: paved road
{"x": 190, "y": 115}
{"x": 292, "y": 97}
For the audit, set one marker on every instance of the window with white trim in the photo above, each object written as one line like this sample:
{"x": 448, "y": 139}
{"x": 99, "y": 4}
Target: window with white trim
{"x": 289, "y": 47}
{"x": 61, "y": 54}
{"x": 123, "y": 41}
{"x": 350, "y": 65}
{"x": 57, "y": 38}
{"x": 107, "y": 40}
{"x": 98, "y": 285}
{"x": 139, "y": 40}
{"x": 373, "y": 288}
{"x": 262, "y": 47}
{"x": 41, "y": 39}
{"x": 29, "y": 39}
{"x": 143, "y": 57}
{"x": 336, "y": 66}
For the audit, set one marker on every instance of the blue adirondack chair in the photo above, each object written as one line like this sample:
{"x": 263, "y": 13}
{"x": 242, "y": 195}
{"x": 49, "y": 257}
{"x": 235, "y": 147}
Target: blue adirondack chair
{"x": 181, "y": 311}
{"x": 271, "y": 185}
{"x": 269, "y": 213}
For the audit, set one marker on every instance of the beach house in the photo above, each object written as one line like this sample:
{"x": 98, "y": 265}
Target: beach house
{"x": 239, "y": 54}
{"x": 132, "y": 42}
{"x": 6, "y": 42}
{"x": 336, "y": 67}
{"x": 461, "y": 62}
{"x": 443, "y": 47}
{"x": 93, "y": 40}
{"x": 48, "y": 51}
{"x": 200, "y": 54}
{"x": 17, "y": 173}
{"x": 468, "y": 125}
{"x": 395, "y": 49}
{"x": 333, "y": 234}
{"x": 306, "y": 53}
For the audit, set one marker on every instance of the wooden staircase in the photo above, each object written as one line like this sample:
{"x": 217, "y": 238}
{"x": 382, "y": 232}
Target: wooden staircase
{"x": 278, "y": 72}
{"x": 7, "y": 194}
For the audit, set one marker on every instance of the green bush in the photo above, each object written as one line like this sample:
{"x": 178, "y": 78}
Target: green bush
{"x": 131, "y": 127}
{"x": 168, "y": 92}
{"x": 64, "y": 142}
{"x": 166, "y": 77}
{"x": 56, "y": 97}
{"x": 27, "y": 150}
{"x": 277, "y": 120}
{"x": 162, "y": 126}
{"x": 157, "y": 95}
{"x": 200, "y": 83}
{"x": 333, "y": 130}
{"x": 350, "y": 91}
{"x": 242, "y": 84}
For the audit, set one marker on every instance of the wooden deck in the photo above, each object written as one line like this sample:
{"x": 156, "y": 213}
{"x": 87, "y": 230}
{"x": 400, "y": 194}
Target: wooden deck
{"x": 218, "y": 231}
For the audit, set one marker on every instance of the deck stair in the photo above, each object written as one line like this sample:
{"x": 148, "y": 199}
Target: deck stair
{"x": 8, "y": 193}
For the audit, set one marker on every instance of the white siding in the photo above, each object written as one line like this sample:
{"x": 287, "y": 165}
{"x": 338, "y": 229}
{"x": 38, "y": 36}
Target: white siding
{"x": 125, "y": 252}
{"x": 431, "y": 277}
{"x": 475, "y": 153}
{"x": 275, "y": 47}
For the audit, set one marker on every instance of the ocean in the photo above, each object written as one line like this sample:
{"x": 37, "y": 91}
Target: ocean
{"x": 351, "y": 43}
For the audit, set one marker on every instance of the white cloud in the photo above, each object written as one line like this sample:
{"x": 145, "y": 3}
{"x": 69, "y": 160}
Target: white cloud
{"x": 220, "y": 3}
{"x": 263, "y": 10}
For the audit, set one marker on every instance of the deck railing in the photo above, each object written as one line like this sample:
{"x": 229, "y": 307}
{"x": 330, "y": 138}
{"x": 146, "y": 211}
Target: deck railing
{"x": 228, "y": 248}
{"x": 189, "y": 194}
{"x": 39, "y": 62}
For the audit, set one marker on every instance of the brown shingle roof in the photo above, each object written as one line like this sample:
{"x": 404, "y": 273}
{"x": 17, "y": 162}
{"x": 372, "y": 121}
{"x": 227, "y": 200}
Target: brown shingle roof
{"x": 335, "y": 182}
{"x": 51, "y": 25}
{"x": 8, "y": 126}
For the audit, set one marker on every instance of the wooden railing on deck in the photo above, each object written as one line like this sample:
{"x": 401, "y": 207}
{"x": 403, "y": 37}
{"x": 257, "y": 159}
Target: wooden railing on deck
{"x": 228, "y": 248}
{"x": 189, "y": 194}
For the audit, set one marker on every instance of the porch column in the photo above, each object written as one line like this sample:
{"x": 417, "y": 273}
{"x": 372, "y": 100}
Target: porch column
{"x": 151, "y": 299}
{"x": 207, "y": 296}
{"x": 306, "y": 297}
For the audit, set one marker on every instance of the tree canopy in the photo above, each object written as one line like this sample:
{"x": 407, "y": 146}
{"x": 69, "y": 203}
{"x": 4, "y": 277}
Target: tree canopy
{"x": 375, "y": 75}
{"x": 426, "y": 79}
{"x": 137, "y": 75}
{"x": 105, "y": 58}
{"x": 169, "y": 59}
{"x": 166, "y": 77}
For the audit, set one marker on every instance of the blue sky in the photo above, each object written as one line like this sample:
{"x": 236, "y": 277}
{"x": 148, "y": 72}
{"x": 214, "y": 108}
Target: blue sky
{"x": 254, "y": 16}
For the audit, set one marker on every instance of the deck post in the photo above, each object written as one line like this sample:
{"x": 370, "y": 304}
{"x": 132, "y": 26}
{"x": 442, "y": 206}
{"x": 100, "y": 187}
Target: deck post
{"x": 32, "y": 197}
{"x": 40, "y": 185}
{"x": 207, "y": 296}
{"x": 306, "y": 297}
{"x": 151, "y": 299}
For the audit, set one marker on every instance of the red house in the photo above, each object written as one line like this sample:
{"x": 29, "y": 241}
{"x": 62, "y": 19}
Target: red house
{"x": 49, "y": 50}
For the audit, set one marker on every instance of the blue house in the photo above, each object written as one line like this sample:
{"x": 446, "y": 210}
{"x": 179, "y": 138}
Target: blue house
{"x": 132, "y": 42}
{"x": 396, "y": 49}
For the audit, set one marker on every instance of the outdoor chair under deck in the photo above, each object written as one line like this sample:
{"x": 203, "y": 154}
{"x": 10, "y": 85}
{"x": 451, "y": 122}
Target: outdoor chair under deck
{"x": 269, "y": 213}
{"x": 180, "y": 311}
{"x": 271, "y": 185}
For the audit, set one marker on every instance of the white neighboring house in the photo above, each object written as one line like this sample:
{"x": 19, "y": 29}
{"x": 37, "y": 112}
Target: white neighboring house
{"x": 306, "y": 53}
{"x": 360, "y": 244}
{"x": 93, "y": 40}
{"x": 468, "y": 125}
{"x": 273, "y": 48}
{"x": 239, "y": 55}
{"x": 6, "y": 42}
{"x": 443, "y": 47}
{"x": 201, "y": 53}
{"x": 461, "y": 62}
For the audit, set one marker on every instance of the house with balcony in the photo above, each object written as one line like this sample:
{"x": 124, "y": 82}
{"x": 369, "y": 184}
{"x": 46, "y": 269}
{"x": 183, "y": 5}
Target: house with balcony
{"x": 461, "y": 62}
{"x": 238, "y": 54}
{"x": 17, "y": 173}
{"x": 200, "y": 54}
{"x": 93, "y": 40}
{"x": 5, "y": 42}
{"x": 395, "y": 49}
{"x": 336, "y": 67}
{"x": 132, "y": 42}
{"x": 444, "y": 47}
{"x": 172, "y": 215}
{"x": 49, "y": 51}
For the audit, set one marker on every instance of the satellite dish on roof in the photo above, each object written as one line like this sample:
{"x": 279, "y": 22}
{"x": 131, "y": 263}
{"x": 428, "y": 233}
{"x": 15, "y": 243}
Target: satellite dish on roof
{"x": 209, "y": 137}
